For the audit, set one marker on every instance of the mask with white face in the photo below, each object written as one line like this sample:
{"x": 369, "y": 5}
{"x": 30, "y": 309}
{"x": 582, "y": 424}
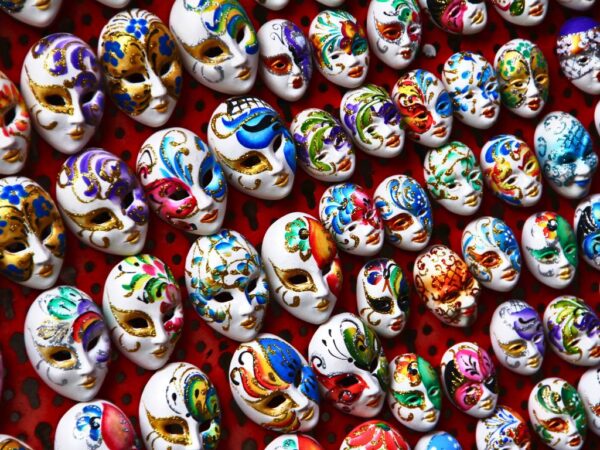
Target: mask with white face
{"x": 589, "y": 391}
{"x": 457, "y": 16}
{"x": 505, "y": 429}
{"x": 32, "y": 12}
{"x": 578, "y": 51}
{"x": 16, "y": 128}
{"x": 526, "y": 13}
{"x": 374, "y": 432}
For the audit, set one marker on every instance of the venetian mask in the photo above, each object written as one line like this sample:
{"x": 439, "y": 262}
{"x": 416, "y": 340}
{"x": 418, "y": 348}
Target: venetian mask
{"x": 141, "y": 65}
{"x": 10, "y": 443}
{"x": 293, "y": 442}
{"x": 183, "y": 181}
{"x": 526, "y": 13}
{"x": 303, "y": 267}
{"x": 351, "y": 367}
{"x": 350, "y": 215}
{"x": 179, "y": 410}
{"x": 274, "y": 386}
{"x": 457, "y": 16}
{"x": 440, "y": 440}
{"x": 505, "y": 429}
{"x": 332, "y": 3}
{"x": 340, "y": 48}
{"x": 577, "y": 5}
{"x": 523, "y": 74}
{"x": 36, "y": 13}
{"x": 589, "y": 391}
{"x": 227, "y": 284}
{"x": 274, "y": 5}
{"x": 324, "y": 149}
{"x": 587, "y": 227}
{"x": 32, "y": 234}
{"x": 254, "y": 147}
{"x": 453, "y": 178}
{"x": 217, "y": 43}
{"x": 143, "y": 311}
{"x": 67, "y": 342}
{"x": 16, "y": 128}
{"x": 425, "y": 106}
{"x": 285, "y": 59}
{"x": 446, "y": 286}
{"x": 415, "y": 395}
{"x": 578, "y": 50}
{"x": 557, "y": 415}
{"x": 566, "y": 154}
{"x": 115, "y": 3}
{"x": 61, "y": 84}
{"x": 375, "y": 434}
{"x": 550, "y": 249}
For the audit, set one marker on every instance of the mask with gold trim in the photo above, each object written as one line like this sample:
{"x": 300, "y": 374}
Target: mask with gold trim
{"x": 32, "y": 12}
{"x": 375, "y": 434}
{"x": 589, "y": 391}
{"x": 11, "y": 443}
{"x": 16, "y": 128}
{"x": 526, "y": 13}
{"x": 587, "y": 227}
{"x": 505, "y": 429}
{"x": 457, "y": 16}
{"x": 294, "y": 442}
{"x": 578, "y": 51}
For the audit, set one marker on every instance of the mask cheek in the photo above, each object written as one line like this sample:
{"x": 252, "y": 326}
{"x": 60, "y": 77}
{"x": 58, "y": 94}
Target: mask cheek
{"x": 468, "y": 395}
{"x": 17, "y": 266}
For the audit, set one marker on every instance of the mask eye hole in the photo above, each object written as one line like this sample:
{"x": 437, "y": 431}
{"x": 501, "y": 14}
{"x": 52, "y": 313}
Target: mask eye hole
{"x": 179, "y": 194}
{"x": 213, "y": 52}
{"x": 92, "y": 344}
{"x": 174, "y": 428}
{"x": 251, "y": 285}
{"x": 135, "y": 78}
{"x": 348, "y": 381}
{"x": 168, "y": 315}
{"x": 207, "y": 178}
{"x": 55, "y": 100}
{"x": 9, "y": 116}
{"x": 512, "y": 179}
{"x": 250, "y": 161}
{"x": 87, "y": 97}
{"x": 277, "y": 143}
{"x": 101, "y": 217}
{"x": 298, "y": 279}
{"x": 46, "y": 232}
{"x": 165, "y": 69}
{"x": 239, "y": 37}
{"x": 61, "y": 355}
{"x": 276, "y": 400}
{"x": 326, "y": 268}
{"x": 15, "y": 247}
{"x": 204, "y": 426}
{"x": 127, "y": 200}
{"x": 223, "y": 297}
{"x": 138, "y": 323}
{"x": 298, "y": 379}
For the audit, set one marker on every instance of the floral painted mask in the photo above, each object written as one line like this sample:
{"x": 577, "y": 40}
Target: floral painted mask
{"x": 527, "y": 13}
{"x": 578, "y": 50}
{"x": 457, "y": 16}
{"x": 143, "y": 310}
{"x": 293, "y": 442}
{"x": 183, "y": 181}
{"x": 587, "y": 227}
{"x": 36, "y": 13}
{"x": 505, "y": 429}
{"x": 11, "y": 443}
{"x": 16, "y": 128}
{"x": 374, "y": 435}
{"x": 439, "y": 440}
{"x": 589, "y": 391}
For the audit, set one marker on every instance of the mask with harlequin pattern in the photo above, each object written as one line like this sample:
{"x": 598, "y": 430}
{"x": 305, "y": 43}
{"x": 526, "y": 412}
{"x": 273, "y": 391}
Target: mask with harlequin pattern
{"x": 505, "y": 429}
{"x": 16, "y": 128}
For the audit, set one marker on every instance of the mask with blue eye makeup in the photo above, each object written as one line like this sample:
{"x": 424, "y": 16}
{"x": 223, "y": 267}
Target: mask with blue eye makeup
{"x": 587, "y": 228}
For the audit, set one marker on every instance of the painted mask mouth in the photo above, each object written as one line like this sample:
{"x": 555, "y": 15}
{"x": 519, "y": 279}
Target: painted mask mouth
{"x": 430, "y": 416}
{"x": 440, "y": 131}
{"x": 374, "y": 403}
{"x": 477, "y": 17}
{"x": 12, "y": 155}
{"x": 308, "y": 415}
{"x": 582, "y": 181}
{"x": 575, "y": 442}
{"x": 46, "y": 271}
{"x": 534, "y": 362}
{"x": 297, "y": 83}
{"x": 42, "y": 5}
{"x": 160, "y": 352}
{"x": 244, "y": 73}
{"x": 598, "y": 77}
{"x": 249, "y": 323}
{"x": 533, "y": 192}
{"x": 595, "y": 352}
{"x": 397, "y": 325}
{"x": 420, "y": 237}
{"x": 373, "y": 238}
{"x": 489, "y": 112}
{"x": 471, "y": 200}
{"x": 282, "y": 180}
{"x": 393, "y": 141}
{"x": 133, "y": 237}
{"x": 509, "y": 274}
{"x": 487, "y": 404}
{"x": 210, "y": 217}
{"x": 162, "y": 107}
{"x": 565, "y": 273}
{"x": 406, "y": 53}
{"x": 77, "y": 133}
{"x": 536, "y": 10}
{"x": 356, "y": 72}
{"x": 534, "y": 104}
{"x": 88, "y": 382}
{"x": 344, "y": 165}
{"x": 323, "y": 305}
{"x": 469, "y": 312}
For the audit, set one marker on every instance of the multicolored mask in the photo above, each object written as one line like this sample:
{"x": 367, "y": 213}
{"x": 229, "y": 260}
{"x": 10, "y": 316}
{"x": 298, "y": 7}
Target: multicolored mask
{"x": 350, "y": 365}
{"x": 523, "y": 74}
{"x": 349, "y": 214}
{"x": 550, "y": 249}
{"x": 285, "y": 59}
{"x": 453, "y": 178}
{"x": 374, "y": 435}
{"x": 36, "y": 13}
{"x": 440, "y": 440}
{"x": 518, "y": 337}
{"x": 141, "y": 65}
{"x": 183, "y": 181}
{"x": 227, "y": 284}
{"x": 505, "y": 429}
{"x": 492, "y": 253}
{"x": 589, "y": 391}
{"x": 274, "y": 386}
{"x": 340, "y": 48}
{"x": 143, "y": 311}
{"x": 293, "y": 442}
{"x": 306, "y": 277}
{"x": 11, "y": 443}
{"x": 587, "y": 227}
{"x": 179, "y": 410}
{"x": 446, "y": 286}
{"x": 254, "y": 147}
{"x": 457, "y": 16}
{"x": 415, "y": 395}
{"x": 16, "y": 128}
{"x": 67, "y": 342}
{"x": 324, "y": 149}
{"x": 469, "y": 379}
{"x": 578, "y": 50}
{"x": 217, "y": 43}
{"x": 102, "y": 202}
{"x": 527, "y": 13}
{"x": 557, "y": 415}
{"x": 566, "y": 154}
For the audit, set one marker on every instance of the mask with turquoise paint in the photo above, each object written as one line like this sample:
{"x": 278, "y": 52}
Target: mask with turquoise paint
{"x": 587, "y": 227}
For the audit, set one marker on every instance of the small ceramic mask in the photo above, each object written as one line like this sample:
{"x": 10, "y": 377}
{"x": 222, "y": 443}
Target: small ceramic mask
{"x": 374, "y": 435}
{"x": 440, "y": 440}
{"x": 227, "y": 284}
{"x": 550, "y": 249}
{"x": 143, "y": 311}
{"x": 453, "y": 178}
{"x": 523, "y": 74}
{"x": 350, "y": 365}
{"x": 303, "y": 267}
{"x": 254, "y": 147}
{"x": 179, "y": 410}
{"x": 36, "y": 13}
{"x": 183, "y": 181}
{"x": 67, "y": 342}
{"x": 415, "y": 395}
{"x": 115, "y": 3}
{"x": 340, "y": 48}
{"x": 557, "y": 414}
{"x": 217, "y": 42}
{"x": 587, "y": 227}
{"x": 102, "y": 202}
{"x": 141, "y": 65}
{"x": 597, "y": 117}
{"x": 331, "y": 3}
{"x": 274, "y": 386}
{"x": 573, "y": 330}
{"x": 492, "y": 253}
{"x": 274, "y": 5}
{"x": 505, "y": 429}
{"x": 350, "y": 215}
{"x": 285, "y": 59}
{"x": 16, "y": 128}
{"x": 61, "y": 83}
{"x": 577, "y": 5}
{"x": 457, "y": 16}
{"x": 32, "y": 234}
{"x": 517, "y": 337}
{"x": 11, "y": 443}
{"x": 578, "y": 50}
{"x": 566, "y": 154}
{"x": 370, "y": 116}
{"x": 425, "y": 106}
{"x": 589, "y": 391}
{"x": 325, "y": 151}
{"x": 527, "y": 13}
{"x": 293, "y": 442}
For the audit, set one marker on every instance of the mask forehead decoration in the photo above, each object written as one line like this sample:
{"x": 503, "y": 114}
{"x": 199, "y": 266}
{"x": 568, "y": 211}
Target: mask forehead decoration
{"x": 142, "y": 67}
{"x": 35, "y": 13}
{"x": 456, "y": 16}
{"x": 503, "y": 429}
{"x": 11, "y": 443}
{"x": 274, "y": 386}
{"x": 589, "y": 391}
{"x": 143, "y": 310}
{"x": 526, "y": 13}
{"x": 440, "y": 440}
{"x": 183, "y": 181}
{"x": 294, "y": 442}
{"x": 227, "y": 284}
{"x": 376, "y": 435}
{"x": 16, "y": 128}
{"x": 578, "y": 50}
{"x": 217, "y": 42}
{"x": 587, "y": 227}
{"x": 351, "y": 367}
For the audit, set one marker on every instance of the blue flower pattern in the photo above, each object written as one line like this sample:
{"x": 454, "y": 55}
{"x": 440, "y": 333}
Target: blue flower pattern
{"x": 112, "y": 53}
{"x": 137, "y": 27}
{"x": 13, "y": 193}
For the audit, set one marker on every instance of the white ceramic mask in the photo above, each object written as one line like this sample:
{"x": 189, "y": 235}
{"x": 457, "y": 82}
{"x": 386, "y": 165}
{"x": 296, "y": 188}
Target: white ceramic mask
{"x": 597, "y": 117}
{"x": 274, "y": 386}
{"x": 577, "y": 5}
{"x": 227, "y": 284}
{"x": 217, "y": 42}
{"x": 578, "y": 50}
{"x": 457, "y": 16}
{"x": 374, "y": 434}
{"x": 589, "y": 391}
{"x": 11, "y": 443}
{"x": 143, "y": 311}
{"x": 303, "y": 267}
{"x": 351, "y": 367}
{"x": 183, "y": 181}
{"x": 67, "y": 342}
{"x": 179, "y": 410}
{"x": 274, "y": 5}
{"x": 36, "y": 13}
{"x": 587, "y": 227}
{"x": 254, "y": 147}
{"x": 15, "y": 123}
{"x": 440, "y": 440}
{"x": 332, "y": 3}
{"x": 115, "y": 3}
{"x": 527, "y": 13}
{"x": 505, "y": 429}
{"x": 293, "y": 442}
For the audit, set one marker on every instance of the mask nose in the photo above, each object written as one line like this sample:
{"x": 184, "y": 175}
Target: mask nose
{"x": 41, "y": 255}
{"x": 77, "y": 117}
{"x": 582, "y": 169}
{"x": 240, "y": 58}
{"x": 86, "y": 366}
{"x": 161, "y": 337}
{"x": 157, "y": 88}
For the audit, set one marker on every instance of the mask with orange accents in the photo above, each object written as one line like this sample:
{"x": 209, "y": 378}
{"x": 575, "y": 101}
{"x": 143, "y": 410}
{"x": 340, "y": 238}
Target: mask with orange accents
{"x": 15, "y": 124}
